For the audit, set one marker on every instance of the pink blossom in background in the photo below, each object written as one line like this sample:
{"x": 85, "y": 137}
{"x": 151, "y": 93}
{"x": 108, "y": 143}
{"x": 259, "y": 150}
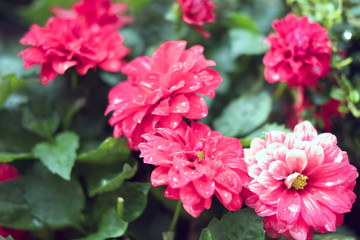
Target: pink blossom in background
{"x": 195, "y": 163}
{"x": 161, "y": 90}
{"x": 8, "y": 173}
{"x": 73, "y": 41}
{"x": 100, "y": 12}
{"x": 198, "y": 13}
{"x": 301, "y": 182}
{"x": 299, "y": 53}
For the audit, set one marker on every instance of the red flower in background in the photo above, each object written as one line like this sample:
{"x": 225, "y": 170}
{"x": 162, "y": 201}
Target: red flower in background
{"x": 101, "y": 12}
{"x": 301, "y": 181}
{"x": 327, "y": 111}
{"x": 195, "y": 163}
{"x": 198, "y": 13}
{"x": 8, "y": 173}
{"x": 161, "y": 90}
{"x": 299, "y": 52}
{"x": 74, "y": 41}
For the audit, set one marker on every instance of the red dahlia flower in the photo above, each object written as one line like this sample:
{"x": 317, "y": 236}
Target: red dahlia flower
{"x": 101, "y": 12}
{"x": 196, "y": 163}
{"x": 161, "y": 90}
{"x": 198, "y": 12}
{"x": 301, "y": 181}
{"x": 327, "y": 111}
{"x": 85, "y": 37}
{"x": 64, "y": 43}
{"x": 7, "y": 173}
{"x": 300, "y": 52}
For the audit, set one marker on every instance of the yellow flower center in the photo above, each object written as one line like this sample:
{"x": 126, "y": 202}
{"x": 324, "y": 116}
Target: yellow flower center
{"x": 299, "y": 182}
{"x": 200, "y": 155}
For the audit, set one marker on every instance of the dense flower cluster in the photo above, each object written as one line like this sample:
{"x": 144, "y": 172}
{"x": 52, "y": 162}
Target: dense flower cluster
{"x": 197, "y": 13}
{"x": 195, "y": 163}
{"x": 301, "y": 181}
{"x": 299, "y": 52}
{"x": 7, "y": 173}
{"x": 76, "y": 39}
{"x": 298, "y": 182}
{"x": 161, "y": 90}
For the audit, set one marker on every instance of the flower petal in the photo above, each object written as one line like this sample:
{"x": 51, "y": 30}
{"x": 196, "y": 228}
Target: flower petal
{"x": 296, "y": 160}
{"x": 337, "y": 199}
{"x": 330, "y": 174}
{"x": 198, "y": 108}
{"x": 159, "y": 176}
{"x": 179, "y": 104}
{"x": 311, "y": 211}
{"x": 289, "y": 206}
{"x": 204, "y": 187}
{"x": 279, "y": 170}
{"x": 315, "y": 157}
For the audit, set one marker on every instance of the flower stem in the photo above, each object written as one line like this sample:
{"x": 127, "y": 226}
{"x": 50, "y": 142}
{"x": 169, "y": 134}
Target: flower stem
{"x": 279, "y": 90}
{"x": 176, "y": 216}
{"x": 74, "y": 79}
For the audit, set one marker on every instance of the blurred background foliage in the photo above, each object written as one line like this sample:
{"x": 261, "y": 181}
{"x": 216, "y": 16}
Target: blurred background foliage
{"x": 73, "y": 170}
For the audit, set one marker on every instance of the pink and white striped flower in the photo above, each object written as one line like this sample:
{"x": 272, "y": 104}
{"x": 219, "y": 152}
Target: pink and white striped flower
{"x": 301, "y": 182}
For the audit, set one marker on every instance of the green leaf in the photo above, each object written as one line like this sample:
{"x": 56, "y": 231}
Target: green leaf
{"x": 40, "y": 10}
{"x": 53, "y": 200}
{"x": 245, "y": 42}
{"x": 354, "y": 95}
{"x": 107, "y": 178}
{"x": 11, "y": 65}
{"x": 244, "y": 114}
{"x": 243, "y": 224}
{"x": 59, "y": 157}
{"x": 320, "y": 99}
{"x": 111, "y": 150}
{"x": 111, "y": 226}
{"x": 134, "y": 41}
{"x": 332, "y": 236}
{"x": 44, "y": 127}
{"x": 135, "y": 199}
{"x": 14, "y": 210}
{"x": 14, "y": 138}
{"x": 137, "y": 5}
{"x": 260, "y": 133}
{"x": 338, "y": 93}
{"x": 8, "y": 85}
{"x": 8, "y": 238}
{"x": 240, "y": 20}
{"x": 9, "y": 157}
{"x": 220, "y": 54}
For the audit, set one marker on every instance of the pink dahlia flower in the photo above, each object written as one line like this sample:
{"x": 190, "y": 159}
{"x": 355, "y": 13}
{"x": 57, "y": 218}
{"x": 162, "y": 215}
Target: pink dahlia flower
{"x": 161, "y": 90}
{"x": 301, "y": 181}
{"x": 8, "y": 173}
{"x": 195, "y": 163}
{"x": 197, "y": 13}
{"x": 299, "y": 54}
{"x": 100, "y": 12}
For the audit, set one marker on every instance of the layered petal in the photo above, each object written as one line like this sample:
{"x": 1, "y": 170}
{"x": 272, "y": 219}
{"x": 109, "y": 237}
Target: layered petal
{"x": 196, "y": 163}
{"x": 307, "y": 186}
{"x": 163, "y": 88}
{"x": 299, "y": 52}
